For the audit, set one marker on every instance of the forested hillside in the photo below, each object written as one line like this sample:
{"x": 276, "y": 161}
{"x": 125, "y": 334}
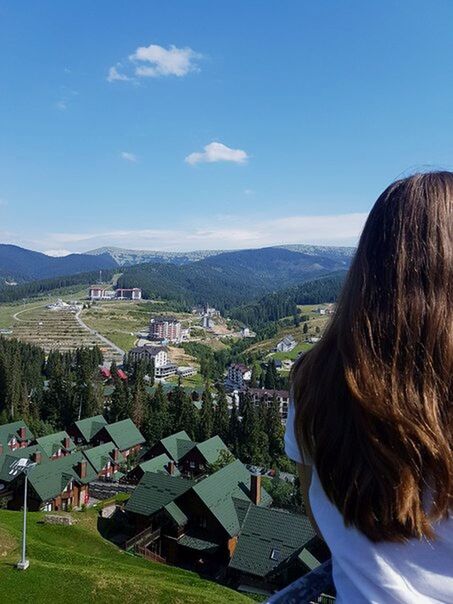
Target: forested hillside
{"x": 275, "y": 306}
{"x": 19, "y": 264}
{"x": 42, "y": 286}
{"x": 228, "y": 279}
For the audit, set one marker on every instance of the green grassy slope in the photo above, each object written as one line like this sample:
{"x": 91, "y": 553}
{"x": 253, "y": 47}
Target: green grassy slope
{"x": 76, "y": 565}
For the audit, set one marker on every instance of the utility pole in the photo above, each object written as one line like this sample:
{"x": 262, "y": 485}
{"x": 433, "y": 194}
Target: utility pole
{"x": 23, "y": 466}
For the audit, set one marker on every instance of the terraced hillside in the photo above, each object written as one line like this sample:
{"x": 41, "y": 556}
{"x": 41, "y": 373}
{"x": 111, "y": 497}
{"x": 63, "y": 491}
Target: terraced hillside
{"x": 59, "y": 330}
{"x": 76, "y": 565}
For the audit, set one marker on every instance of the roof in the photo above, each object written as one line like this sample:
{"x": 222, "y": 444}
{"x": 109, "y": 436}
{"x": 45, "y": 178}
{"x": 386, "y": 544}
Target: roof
{"x": 155, "y": 491}
{"x": 52, "y": 443}
{"x": 12, "y": 429}
{"x": 7, "y": 459}
{"x": 50, "y": 479}
{"x": 239, "y": 367}
{"x": 124, "y": 434}
{"x": 150, "y": 350}
{"x": 158, "y": 464}
{"x": 219, "y": 490}
{"x": 211, "y": 448}
{"x": 90, "y": 426}
{"x": 268, "y": 538}
{"x": 198, "y": 544}
{"x": 176, "y": 514}
{"x": 100, "y": 455}
{"x": 177, "y": 445}
{"x": 268, "y": 392}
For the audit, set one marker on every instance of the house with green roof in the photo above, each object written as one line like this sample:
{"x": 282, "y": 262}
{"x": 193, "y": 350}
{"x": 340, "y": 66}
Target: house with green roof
{"x": 14, "y": 436}
{"x": 124, "y": 434}
{"x": 56, "y": 445}
{"x": 83, "y": 431}
{"x": 202, "y": 522}
{"x": 176, "y": 446}
{"x": 274, "y": 548}
{"x": 105, "y": 460}
{"x": 197, "y": 460}
{"x": 56, "y": 485}
{"x": 161, "y": 463}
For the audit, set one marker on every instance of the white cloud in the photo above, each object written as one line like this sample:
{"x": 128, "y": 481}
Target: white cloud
{"x": 155, "y": 61}
{"x": 61, "y": 105}
{"x": 129, "y": 156}
{"x": 221, "y": 232}
{"x": 115, "y": 76}
{"x": 215, "y": 152}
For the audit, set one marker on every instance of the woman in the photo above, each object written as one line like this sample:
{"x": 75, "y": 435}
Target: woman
{"x": 371, "y": 427}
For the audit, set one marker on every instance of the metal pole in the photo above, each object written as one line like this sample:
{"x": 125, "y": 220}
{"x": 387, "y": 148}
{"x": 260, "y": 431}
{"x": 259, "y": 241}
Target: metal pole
{"x": 24, "y": 563}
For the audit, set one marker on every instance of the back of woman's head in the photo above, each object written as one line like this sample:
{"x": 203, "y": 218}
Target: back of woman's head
{"x": 374, "y": 397}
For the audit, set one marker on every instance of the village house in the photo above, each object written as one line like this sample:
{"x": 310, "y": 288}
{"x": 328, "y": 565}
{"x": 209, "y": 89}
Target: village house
{"x": 105, "y": 460}
{"x": 197, "y": 460}
{"x": 175, "y": 446}
{"x": 124, "y": 434}
{"x": 8, "y": 459}
{"x": 58, "y": 444}
{"x": 14, "y": 435}
{"x": 274, "y": 548}
{"x": 238, "y": 375}
{"x": 84, "y": 431}
{"x": 54, "y": 485}
{"x": 264, "y": 396}
{"x": 193, "y": 523}
{"x": 162, "y": 463}
{"x": 286, "y": 344}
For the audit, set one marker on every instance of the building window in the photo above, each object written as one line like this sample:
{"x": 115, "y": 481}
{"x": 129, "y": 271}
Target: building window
{"x": 275, "y": 554}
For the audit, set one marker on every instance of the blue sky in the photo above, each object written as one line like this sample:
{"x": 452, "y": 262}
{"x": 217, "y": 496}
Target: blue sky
{"x": 204, "y": 125}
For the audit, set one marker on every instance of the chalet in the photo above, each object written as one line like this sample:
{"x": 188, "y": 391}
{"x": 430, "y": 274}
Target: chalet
{"x": 162, "y": 463}
{"x": 183, "y": 521}
{"x": 264, "y": 396}
{"x": 124, "y": 435}
{"x": 7, "y": 478}
{"x": 286, "y": 344}
{"x": 14, "y": 436}
{"x": 198, "y": 459}
{"x": 175, "y": 446}
{"x": 274, "y": 548}
{"x": 84, "y": 431}
{"x": 55, "y": 485}
{"x": 56, "y": 445}
{"x": 105, "y": 460}
{"x": 238, "y": 375}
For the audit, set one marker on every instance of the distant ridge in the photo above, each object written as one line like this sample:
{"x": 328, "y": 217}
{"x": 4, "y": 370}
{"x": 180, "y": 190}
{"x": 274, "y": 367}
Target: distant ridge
{"x": 19, "y": 264}
{"x": 127, "y": 257}
{"x": 130, "y": 257}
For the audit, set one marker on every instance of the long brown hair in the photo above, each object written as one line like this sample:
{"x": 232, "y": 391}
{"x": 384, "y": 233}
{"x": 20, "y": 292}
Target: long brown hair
{"x": 374, "y": 397}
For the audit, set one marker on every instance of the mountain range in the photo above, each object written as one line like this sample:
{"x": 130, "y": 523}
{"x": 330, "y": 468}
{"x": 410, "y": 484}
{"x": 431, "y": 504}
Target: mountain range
{"x": 18, "y": 264}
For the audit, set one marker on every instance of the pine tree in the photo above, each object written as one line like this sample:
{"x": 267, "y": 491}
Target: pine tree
{"x": 249, "y": 433}
{"x": 221, "y": 415}
{"x": 305, "y": 328}
{"x": 275, "y": 431}
{"x": 233, "y": 430}
{"x": 138, "y": 401}
{"x": 206, "y": 416}
{"x": 119, "y": 403}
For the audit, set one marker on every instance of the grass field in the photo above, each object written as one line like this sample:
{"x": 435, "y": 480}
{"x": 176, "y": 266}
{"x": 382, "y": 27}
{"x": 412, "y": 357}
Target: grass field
{"x": 75, "y": 565}
{"x": 120, "y": 321}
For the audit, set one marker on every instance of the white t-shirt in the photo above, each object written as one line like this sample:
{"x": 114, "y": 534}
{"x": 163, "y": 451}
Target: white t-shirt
{"x": 416, "y": 572}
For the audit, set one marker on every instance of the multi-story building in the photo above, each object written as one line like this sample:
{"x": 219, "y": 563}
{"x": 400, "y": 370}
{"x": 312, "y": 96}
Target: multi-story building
{"x": 165, "y": 329}
{"x": 157, "y": 354}
{"x": 101, "y": 292}
{"x": 132, "y": 293}
{"x": 264, "y": 396}
{"x": 239, "y": 375}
